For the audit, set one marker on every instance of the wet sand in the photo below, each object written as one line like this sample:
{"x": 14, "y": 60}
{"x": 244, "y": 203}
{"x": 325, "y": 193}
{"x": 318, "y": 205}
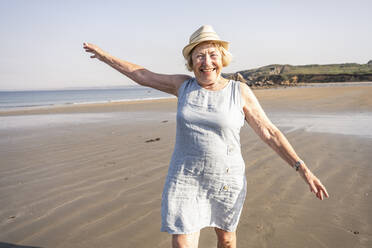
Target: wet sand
{"x": 92, "y": 175}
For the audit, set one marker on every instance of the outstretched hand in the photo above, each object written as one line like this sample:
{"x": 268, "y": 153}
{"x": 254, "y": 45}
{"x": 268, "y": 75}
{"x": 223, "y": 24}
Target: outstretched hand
{"x": 95, "y": 50}
{"x": 314, "y": 184}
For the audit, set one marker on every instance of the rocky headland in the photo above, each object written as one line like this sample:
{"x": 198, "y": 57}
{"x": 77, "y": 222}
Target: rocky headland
{"x": 277, "y": 75}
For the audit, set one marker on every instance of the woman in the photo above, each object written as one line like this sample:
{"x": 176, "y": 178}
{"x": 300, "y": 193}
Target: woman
{"x": 206, "y": 183}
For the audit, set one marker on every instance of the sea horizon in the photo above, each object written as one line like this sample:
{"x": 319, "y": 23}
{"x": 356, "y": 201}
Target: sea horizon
{"x": 15, "y": 99}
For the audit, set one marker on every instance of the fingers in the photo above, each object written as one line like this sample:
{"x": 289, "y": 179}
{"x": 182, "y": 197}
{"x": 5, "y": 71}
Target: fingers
{"x": 86, "y": 44}
{"x": 319, "y": 195}
{"x": 325, "y": 191}
{"x": 88, "y": 47}
{"x": 320, "y": 191}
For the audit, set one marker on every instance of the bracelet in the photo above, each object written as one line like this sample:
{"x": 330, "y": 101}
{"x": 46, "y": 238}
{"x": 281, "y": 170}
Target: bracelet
{"x": 297, "y": 165}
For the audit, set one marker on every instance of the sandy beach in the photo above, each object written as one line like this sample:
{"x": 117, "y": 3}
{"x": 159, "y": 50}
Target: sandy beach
{"x": 92, "y": 175}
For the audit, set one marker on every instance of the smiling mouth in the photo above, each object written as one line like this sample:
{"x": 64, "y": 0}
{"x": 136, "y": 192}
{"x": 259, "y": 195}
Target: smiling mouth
{"x": 207, "y": 69}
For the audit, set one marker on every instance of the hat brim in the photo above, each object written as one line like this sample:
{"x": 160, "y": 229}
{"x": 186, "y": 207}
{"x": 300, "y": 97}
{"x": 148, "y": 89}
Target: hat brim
{"x": 187, "y": 49}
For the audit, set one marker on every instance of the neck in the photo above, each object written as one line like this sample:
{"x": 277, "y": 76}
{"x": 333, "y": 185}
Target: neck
{"x": 214, "y": 85}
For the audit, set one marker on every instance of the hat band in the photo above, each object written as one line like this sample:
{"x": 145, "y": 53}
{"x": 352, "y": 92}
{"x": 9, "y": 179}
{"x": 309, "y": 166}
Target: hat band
{"x": 211, "y": 36}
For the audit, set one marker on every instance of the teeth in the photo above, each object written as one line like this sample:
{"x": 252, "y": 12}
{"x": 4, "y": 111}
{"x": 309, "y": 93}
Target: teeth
{"x": 208, "y": 70}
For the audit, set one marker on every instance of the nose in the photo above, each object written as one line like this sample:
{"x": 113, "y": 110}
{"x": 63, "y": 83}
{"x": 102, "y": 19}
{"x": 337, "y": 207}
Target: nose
{"x": 207, "y": 60}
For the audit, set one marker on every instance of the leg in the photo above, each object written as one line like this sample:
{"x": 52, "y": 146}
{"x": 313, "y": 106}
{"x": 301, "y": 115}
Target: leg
{"x": 185, "y": 240}
{"x": 225, "y": 239}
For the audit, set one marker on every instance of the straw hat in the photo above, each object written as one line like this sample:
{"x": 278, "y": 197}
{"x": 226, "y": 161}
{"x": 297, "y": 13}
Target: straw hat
{"x": 204, "y": 33}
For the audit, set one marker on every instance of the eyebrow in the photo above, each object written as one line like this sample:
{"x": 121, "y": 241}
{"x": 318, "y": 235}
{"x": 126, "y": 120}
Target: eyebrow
{"x": 214, "y": 51}
{"x": 200, "y": 53}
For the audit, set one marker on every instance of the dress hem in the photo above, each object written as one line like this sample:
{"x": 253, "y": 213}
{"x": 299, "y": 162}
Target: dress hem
{"x": 196, "y": 230}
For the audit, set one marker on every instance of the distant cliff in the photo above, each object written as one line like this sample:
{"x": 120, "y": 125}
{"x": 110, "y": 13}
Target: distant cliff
{"x": 290, "y": 75}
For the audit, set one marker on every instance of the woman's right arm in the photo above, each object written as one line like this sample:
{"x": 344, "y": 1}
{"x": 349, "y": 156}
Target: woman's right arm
{"x": 142, "y": 76}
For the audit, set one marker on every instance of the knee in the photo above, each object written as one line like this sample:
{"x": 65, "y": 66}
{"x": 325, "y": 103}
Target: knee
{"x": 226, "y": 239}
{"x": 178, "y": 243}
{"x": 226, "y": 242}
{"x": 185, "y": 240}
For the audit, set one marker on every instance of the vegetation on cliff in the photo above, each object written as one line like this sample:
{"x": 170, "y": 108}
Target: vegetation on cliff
{"x": 288, "y": 75}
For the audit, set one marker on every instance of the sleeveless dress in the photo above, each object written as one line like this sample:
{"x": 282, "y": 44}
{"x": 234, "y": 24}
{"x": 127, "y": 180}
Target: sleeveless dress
{"x": 206, "y": 184}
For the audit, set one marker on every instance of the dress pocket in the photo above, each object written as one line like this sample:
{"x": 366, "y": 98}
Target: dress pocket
{"x": 192, "y": 166}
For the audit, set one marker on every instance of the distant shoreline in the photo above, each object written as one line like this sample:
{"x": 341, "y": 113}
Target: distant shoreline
{"x": 287, "y": 75}
{"x": 314, "y": 85}
{"x": 119, "y": 105}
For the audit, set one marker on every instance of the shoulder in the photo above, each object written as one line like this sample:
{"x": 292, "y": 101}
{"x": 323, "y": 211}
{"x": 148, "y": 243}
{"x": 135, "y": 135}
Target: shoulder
{"x": 245, "y": 89}
{"x": 175, "y": 81}
{"x": 246, "y": 94}
{"x": 179, "y": 79}
{"x": 182, "y": 83}
{"x": 168, "y": 83}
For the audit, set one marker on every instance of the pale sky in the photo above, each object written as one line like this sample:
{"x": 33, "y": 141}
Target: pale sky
{"x": 41, "y": 41}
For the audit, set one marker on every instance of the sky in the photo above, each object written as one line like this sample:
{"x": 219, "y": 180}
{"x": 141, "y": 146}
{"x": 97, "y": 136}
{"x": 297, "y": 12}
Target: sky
{"x": 41, "y": 41}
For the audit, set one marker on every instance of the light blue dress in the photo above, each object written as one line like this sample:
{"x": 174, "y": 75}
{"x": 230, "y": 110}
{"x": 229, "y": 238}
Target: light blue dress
{"x": 206, "y": 184}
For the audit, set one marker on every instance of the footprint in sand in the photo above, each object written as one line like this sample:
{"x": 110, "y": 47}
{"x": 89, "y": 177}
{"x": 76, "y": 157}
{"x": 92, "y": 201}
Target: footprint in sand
{"x": 354, "y": 232}
{"x": 152, "y": 140}
{"x": 11, "y": 218}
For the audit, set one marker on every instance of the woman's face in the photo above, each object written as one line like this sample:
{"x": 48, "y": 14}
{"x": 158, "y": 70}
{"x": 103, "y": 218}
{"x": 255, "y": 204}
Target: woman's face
{"x": 206, "y": 63}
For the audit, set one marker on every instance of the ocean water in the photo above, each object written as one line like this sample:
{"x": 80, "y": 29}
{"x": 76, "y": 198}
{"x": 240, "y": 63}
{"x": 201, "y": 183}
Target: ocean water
{"x": 28, "y": 99}
{"x": 345, "y": 123}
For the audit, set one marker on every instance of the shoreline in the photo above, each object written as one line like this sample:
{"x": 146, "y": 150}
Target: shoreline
{"x": 113, "y": 106}
{"x": 117, "y": 104}
{"x": 32, "y": 107}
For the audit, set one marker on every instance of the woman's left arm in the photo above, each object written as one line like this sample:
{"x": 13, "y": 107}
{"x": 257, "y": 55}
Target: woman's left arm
{"x": 271, "y": 135}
